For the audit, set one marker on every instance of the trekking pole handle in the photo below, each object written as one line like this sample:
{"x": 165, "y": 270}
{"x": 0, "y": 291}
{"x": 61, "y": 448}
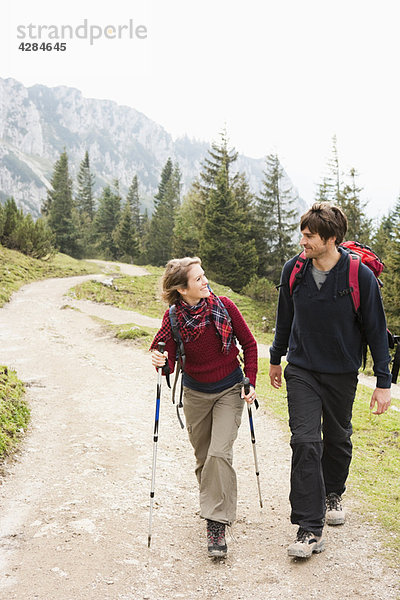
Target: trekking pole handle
{"x": 246, "y": 385}
{"x": 161, "y": 347}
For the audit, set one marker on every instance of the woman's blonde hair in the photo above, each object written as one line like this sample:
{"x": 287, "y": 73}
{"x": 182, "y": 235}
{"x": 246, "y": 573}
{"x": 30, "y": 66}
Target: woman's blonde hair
{"x": 176, "y": 276}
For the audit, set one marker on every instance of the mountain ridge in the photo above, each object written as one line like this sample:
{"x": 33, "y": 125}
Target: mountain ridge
{"x": 37, "y": 123}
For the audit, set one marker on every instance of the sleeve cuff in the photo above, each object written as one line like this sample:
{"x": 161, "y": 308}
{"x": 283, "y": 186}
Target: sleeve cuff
{"x": 384, "y": 381}
{"x": 252, "y": 375}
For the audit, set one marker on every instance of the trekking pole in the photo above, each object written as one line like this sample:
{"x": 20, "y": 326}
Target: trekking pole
{"x": 396, "y": 359}
{"x": 246, "y": 384}
{"x": 161, "y": 348}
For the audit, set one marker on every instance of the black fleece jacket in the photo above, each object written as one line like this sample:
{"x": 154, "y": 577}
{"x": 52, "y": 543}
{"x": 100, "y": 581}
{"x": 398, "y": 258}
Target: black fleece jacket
{"x": 320, "y": 328}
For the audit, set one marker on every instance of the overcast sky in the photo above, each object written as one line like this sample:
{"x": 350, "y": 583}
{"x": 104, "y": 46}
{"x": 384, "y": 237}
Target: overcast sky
{"x": 283, "y": 75}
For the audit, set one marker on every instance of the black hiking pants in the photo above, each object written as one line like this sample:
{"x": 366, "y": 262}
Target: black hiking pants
{"x": 318, "y": 402}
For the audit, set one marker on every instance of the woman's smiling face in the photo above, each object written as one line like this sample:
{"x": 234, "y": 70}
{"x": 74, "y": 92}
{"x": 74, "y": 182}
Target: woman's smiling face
{"x": 197, "y": 286}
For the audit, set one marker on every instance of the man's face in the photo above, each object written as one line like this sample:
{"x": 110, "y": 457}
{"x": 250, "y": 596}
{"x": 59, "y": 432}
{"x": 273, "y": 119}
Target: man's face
{"x": 314, "y": 246}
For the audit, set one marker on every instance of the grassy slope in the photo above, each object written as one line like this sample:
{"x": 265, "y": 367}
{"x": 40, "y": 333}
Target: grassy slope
{"x": 14, "y": 412}
{"x": 16, "y": 270}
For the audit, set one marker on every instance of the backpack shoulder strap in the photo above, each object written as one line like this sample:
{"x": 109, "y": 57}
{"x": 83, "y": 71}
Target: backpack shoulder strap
{"x": 180, "y": 359}
{"x": 174, "y": 323}
{"x": 354, "y": 264}
{"x": 297, "y": 271}
{"x": 354, "y": 289}
{"x": 176, "y": 334}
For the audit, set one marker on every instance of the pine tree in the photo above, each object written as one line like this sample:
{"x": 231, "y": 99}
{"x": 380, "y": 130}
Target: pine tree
{"x": 20, "y": 232}
{"x": 333, "y": 180}
{"x": 2, "y": 221}
{"x": 277, "y": 221}
{"x": 11, "y": 216}
{"x": 329, "y": 190}
{"x": 247, "y": 205}
{"x": 186, "y": 237}
{"x": 33, "y": 238}
{"x": 42, "y": 239}
{"x": 125, "y": 235}
{"x": 359, "y": 226}
{"x": 166, "y": 175}
{"x": 219, "y": 154}
{"x": 107, "y": 220}
{"x": 391, "y": 274}
{"x": 167, "y": 201}
{"x": 85, "y": 207}
{"x": 227, "y": 253}
{"x": 84, "y": 198}
{"x": 322, "y": 194}
{"x": 383, "y": 236}
{"x": 134, "y": 203}
{"x": 60, "y": 209}
{"x": 218, "y": 192}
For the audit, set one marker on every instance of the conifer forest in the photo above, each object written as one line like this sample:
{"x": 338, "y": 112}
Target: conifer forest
{"x": 243, "y": 238}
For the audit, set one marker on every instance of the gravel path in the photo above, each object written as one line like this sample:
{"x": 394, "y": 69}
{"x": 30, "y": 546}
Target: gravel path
{"x": 74, "y": 503}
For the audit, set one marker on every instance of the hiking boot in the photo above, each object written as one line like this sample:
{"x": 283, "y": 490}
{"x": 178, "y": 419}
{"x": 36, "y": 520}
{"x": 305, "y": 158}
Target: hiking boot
{"x": 306, "y": 543}
{"x": 335, "y": 515}
{"x": 217, "y": 547}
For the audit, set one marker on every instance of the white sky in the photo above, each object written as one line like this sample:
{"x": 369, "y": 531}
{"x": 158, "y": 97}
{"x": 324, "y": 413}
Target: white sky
{"x": 283, "y": 75}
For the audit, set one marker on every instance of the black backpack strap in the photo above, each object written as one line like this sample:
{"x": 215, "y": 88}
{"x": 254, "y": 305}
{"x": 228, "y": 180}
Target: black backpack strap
{"x": 180, "y": 360}
{"x": 176, "y": 334}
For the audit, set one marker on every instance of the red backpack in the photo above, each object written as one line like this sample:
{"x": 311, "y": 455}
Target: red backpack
{"x": 357, "y": 252}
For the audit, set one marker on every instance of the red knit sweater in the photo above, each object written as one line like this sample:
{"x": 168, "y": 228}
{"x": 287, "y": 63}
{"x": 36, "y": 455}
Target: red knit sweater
{"x": 205, "y": 361}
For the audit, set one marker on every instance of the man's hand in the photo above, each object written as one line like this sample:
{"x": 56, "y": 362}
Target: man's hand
{"x": 275, "y": 375}
{"x": 380, "y": 397}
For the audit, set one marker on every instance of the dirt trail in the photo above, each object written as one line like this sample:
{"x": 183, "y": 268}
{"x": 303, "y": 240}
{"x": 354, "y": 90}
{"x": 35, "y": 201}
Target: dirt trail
{"x": 74, "y": 504}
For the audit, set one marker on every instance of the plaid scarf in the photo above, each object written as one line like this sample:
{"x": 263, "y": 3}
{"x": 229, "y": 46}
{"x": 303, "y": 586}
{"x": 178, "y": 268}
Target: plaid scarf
{"x": 192, "y": 321}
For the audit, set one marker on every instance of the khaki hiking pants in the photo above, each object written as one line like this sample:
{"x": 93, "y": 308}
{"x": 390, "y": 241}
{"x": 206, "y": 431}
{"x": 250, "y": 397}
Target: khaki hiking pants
{"x": 212, "y": 421}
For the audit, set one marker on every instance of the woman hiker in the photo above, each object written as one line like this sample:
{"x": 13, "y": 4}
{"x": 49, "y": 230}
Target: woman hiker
{"x": 213, "y": 385}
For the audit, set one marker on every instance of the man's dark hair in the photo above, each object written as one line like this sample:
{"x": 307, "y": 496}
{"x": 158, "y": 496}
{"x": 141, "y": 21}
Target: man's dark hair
{"x": 327, "y": 220}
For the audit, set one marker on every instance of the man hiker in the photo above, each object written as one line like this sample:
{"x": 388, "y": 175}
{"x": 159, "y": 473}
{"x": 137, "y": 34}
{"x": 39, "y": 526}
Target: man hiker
{"x": 317, "y": 323}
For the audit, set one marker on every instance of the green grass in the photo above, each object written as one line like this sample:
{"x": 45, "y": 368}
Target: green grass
{"x": 16, "y": 270}
{"x": 142, "y": 335}
{"x": 14, "y": 411}
{"x": 375, "y": 469}
{"x": 140, "y": 294}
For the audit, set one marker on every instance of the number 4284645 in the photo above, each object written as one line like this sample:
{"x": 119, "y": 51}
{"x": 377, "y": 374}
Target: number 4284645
{"x": 44, "y": 46}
